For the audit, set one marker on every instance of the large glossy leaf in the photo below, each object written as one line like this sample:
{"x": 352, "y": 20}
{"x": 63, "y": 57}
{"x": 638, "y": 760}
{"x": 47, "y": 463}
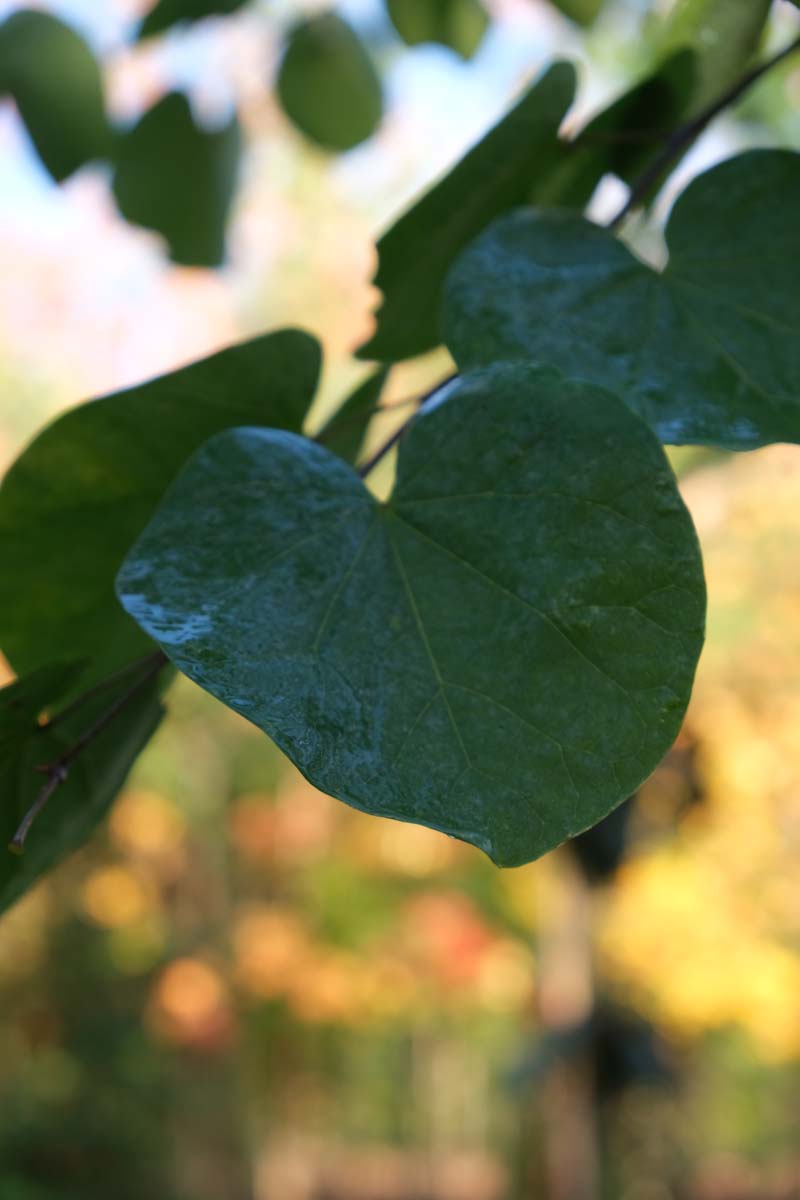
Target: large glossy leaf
{"x": 327, "y": 84}
{"x": 503, "y": 650}
{"x": 344, "y": 433}
{"x": 166, "y": 13}
{"x": 708, "y": 351}
{"x": 179, "y": 180}
{"x": 80, "y": 494}
{"x": 94, "y": 778}
{"x": 458, "y": 24}
{"x": 497, "y": 174}
{"x": 55, "y": 80}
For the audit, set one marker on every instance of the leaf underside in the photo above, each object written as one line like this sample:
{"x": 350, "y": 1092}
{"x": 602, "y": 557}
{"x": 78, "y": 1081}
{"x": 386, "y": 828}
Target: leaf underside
{"x": 502, "y": 651}
{"x": 95, "y": 777}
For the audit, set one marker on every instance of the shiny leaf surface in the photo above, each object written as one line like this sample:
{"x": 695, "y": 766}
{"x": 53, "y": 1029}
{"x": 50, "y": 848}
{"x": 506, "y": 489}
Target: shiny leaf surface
{"x": 503, "y": 650}
{"x": 707, "y": 351}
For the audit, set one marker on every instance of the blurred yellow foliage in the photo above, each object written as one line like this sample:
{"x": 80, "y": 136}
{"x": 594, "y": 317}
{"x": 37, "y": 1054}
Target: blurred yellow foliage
{"x": 147, "y": 824}
{"x": 114, "y": 896}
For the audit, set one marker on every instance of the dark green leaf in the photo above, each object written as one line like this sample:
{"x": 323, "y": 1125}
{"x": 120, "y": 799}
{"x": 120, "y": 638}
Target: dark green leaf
{"x": 179, "y": 180}
{"x": 94, "y": 779}
{"x": 582, "y": 11}
{"x": 707, "y": 352}
{"x": 459, "y": 24}
{"x": 497, "y": 174}
{"x": 82, "y": 492}
{"x": 327, "y": 84}
{"x": 55, "y": 80}
{"x": 503, "y": 650}
{"x": 344, "y": 433}
{"x": 22, "y": 702}
{"x": 622, "y": 139}
{"x": 166, "y": 13}
{"x": 626, "y": 136}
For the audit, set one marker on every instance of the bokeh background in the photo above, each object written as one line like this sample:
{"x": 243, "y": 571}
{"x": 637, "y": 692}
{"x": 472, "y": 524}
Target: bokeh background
{"x": 243, "y": 990}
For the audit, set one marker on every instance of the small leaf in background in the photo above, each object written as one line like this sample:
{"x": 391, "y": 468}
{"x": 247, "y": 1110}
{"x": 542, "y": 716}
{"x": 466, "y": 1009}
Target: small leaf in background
{"x": 724, "y": 35}
{"x": 706, "y": 352}
{"x": 166, "y": 13}
{"x": 344, "y": 433}
{"x": 458, "y": 24}
{"x": 497, "y": 174}
{"x": 80, "y": 494}
{"x": 94, "y": 778}
{"x": 327, "y": 84}
{"x": 179, "y": 180}
{"x": 584, "y": 12}
{"x": 55, "y": 81}
{"x": 503, "y": 650}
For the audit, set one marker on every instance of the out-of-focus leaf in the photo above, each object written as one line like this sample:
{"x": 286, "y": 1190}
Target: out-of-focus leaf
{"x": 724, "y": 35}
{"x": 621, "y": 139}
{"x": 344, "y": 433}
{"x": 581, "y": 11}
{"x": 500, "y": 172}
{"x": 503, "y": 650}
{"x": 458, "y": 24}
{"x": 95, "y": 776}
{"x": 166, "y": 13}
{"x": 628, "y": 134}
{"x": 707, "y": 351}
{"x": 55, "y": 80}
{"x": 179, "y": 180}
{"x": 80, "y": 494}
{"x": 327, "y": 84}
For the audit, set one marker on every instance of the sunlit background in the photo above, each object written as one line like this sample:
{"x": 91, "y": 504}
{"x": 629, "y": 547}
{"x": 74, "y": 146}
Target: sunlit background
{"x": 243, "y": 990}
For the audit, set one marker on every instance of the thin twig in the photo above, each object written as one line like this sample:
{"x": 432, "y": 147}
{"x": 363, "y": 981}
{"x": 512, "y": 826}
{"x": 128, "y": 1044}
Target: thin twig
{"x": 685, "y": 134}
{"x": 335, "y": 425}
{"x": 99, "y": 688}
{"x": 365, "y": 467}
{"x": 57, "y": 771}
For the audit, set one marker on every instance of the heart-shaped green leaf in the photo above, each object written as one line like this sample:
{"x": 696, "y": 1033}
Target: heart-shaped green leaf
{"x": 707, "y": 351}
{"x": 79, "y": 495}
{"x": 94, "y": 778}
{"x": 179, "y": 179}
{"x": 503, "y": 651}
{"x": 55, "y": 80}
